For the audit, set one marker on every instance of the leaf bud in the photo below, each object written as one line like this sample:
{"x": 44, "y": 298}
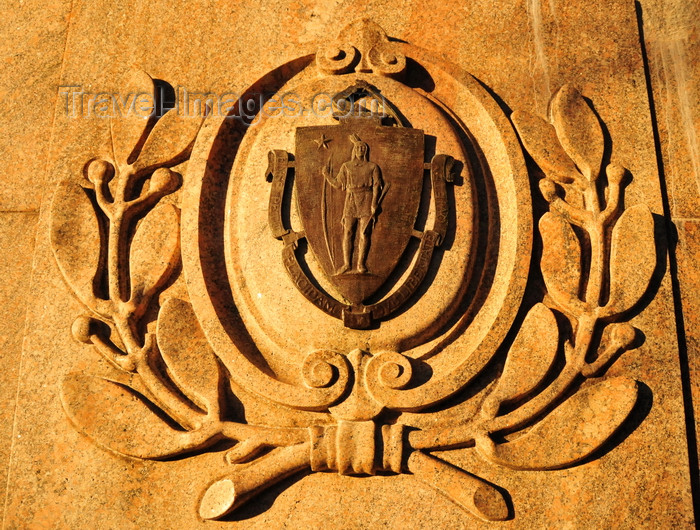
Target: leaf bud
{"x": 82, "y": 329}
{"x": 548, "y": 189}
{"x": 164, "y": 181}
{"x": 98, "y": 171}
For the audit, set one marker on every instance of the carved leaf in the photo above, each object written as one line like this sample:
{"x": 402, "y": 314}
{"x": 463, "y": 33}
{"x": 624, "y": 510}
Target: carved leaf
{"x": 154, "y": 250}
{"x": 128, "y": 125}
{"x": 187, "y": 354}
{"x": 561, "y": 259}
{"x": 75, "y": 239}
{"x": 540, "y": 140}
{"x": 632, "y": 258}
{"x": 529, "y": 359}
{"x": 118, "y": 418}
{"x": 170, "y": 141}
{"x": 578, "y": 130}
{"x": 570, "y": 433}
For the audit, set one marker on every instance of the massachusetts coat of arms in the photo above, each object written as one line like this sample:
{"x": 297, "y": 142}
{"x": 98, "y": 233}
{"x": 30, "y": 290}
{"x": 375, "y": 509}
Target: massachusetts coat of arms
{"x": 359, "y": 186}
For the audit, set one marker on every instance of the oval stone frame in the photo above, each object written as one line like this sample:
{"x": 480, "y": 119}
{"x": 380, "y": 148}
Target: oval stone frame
{"x": 461, "y": 350}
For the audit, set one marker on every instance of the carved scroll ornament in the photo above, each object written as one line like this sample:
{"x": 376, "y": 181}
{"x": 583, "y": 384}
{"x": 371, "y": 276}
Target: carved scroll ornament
{"x": 116, "y": 239}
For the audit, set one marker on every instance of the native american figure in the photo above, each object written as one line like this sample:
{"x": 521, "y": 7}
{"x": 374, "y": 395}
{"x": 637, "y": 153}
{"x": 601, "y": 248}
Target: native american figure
{"x": 361, "y": 181}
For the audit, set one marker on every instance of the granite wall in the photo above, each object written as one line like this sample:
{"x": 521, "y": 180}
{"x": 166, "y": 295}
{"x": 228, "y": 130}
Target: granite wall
{"x": 639, "y": 64}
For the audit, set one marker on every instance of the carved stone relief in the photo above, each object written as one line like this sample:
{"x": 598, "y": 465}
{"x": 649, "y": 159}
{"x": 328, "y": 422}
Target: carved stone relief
{"x": 358, "y": 269}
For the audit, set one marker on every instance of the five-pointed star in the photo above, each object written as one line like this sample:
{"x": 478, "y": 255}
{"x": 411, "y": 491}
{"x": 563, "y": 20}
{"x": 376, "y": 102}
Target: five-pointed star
{"x": 322, "y": 142}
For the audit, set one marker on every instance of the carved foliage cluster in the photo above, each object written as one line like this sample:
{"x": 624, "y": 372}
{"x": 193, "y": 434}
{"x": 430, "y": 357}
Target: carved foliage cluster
{"x": 597, "y": 263}
{"x": 117, "y": 244}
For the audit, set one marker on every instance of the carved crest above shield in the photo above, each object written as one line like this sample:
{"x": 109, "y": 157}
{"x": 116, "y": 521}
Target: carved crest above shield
{"x": 360, "y": 273}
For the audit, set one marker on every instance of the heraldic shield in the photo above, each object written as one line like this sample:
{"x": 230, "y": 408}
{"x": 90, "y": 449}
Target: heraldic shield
{"x": 359, "y": 187}
{"x": 358, "y": 192}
